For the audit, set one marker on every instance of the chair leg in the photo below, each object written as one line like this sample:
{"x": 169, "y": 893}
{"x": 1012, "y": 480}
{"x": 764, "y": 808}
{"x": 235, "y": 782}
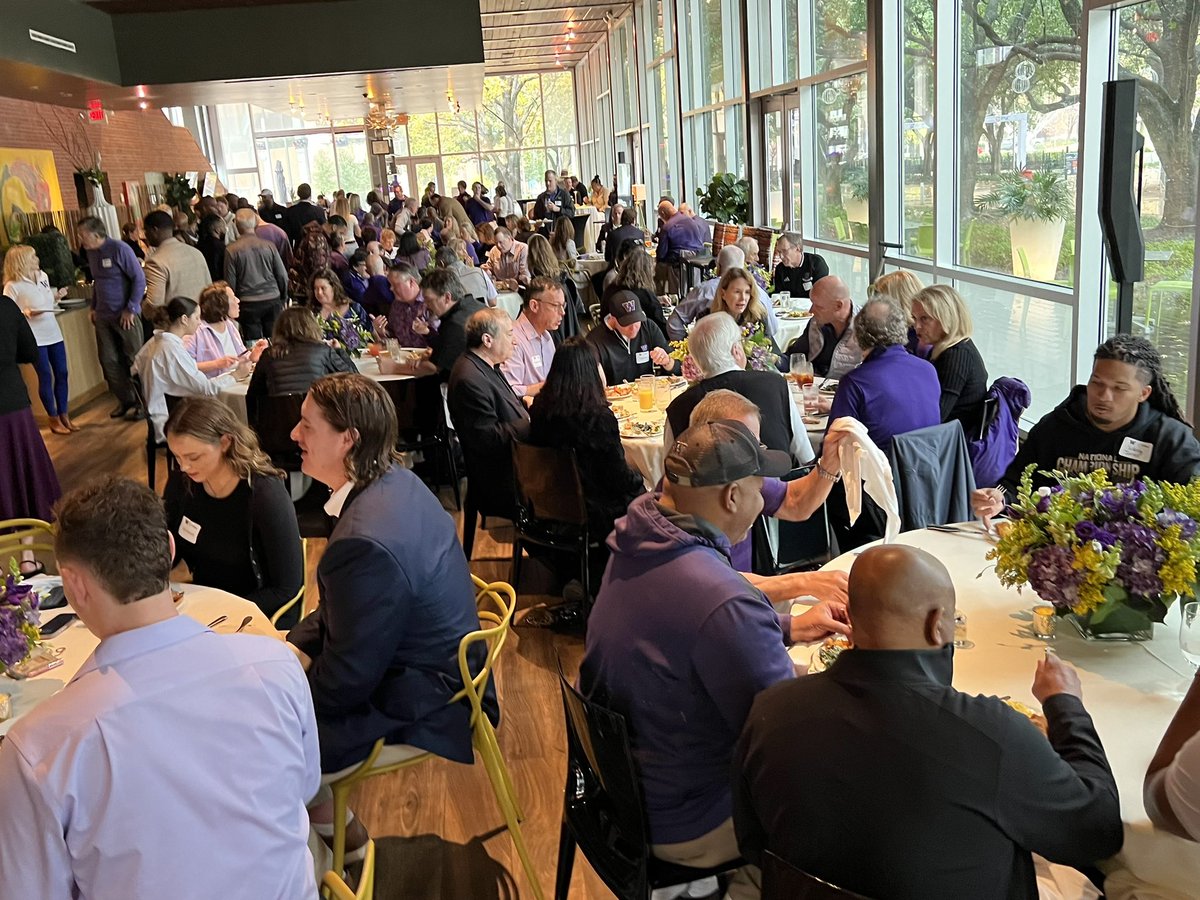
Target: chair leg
{"x": 151, "y": 463}
{"x": 494, "y": 765}
{"x": 493, "y": 747}
{"x": 566, "y": 862}
{"x": 469, "y": 514}
{"x": 453, "y": 468}
{"x": 341, "y": 796}
{"x": 516, "y": 563}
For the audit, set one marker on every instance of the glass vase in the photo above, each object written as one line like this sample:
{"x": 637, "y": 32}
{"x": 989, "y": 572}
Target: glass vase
{"x": 1122, "y": 624}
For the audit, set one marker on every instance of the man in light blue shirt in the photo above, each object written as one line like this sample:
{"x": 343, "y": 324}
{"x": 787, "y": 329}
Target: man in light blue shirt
{"x": 177, "y": 762}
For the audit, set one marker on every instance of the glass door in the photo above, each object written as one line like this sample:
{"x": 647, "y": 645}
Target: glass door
{"x": 418, "y": 171}
{"x": 781, "y": 159}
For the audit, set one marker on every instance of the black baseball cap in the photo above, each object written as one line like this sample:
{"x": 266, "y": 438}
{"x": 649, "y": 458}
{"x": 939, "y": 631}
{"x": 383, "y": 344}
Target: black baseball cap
{"x": 721, "y": 453}
{"x": 625, "y": 307}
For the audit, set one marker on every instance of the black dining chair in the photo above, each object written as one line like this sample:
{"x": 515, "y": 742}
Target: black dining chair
{"x": 421, "y": 423}
{"x": 783, "y": 881}
{"x": 800, "y": 546}
{"x": 551, "y": 510}
{"x": 603, "y": 811}
{"x": 153, "y": 444}
{"x": 273, "y": 418}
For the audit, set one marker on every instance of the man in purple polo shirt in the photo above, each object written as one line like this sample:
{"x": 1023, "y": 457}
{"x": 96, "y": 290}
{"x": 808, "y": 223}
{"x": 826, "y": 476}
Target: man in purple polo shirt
{"x": 533, "y": 349}
{"x": 116, "y": 308}
{"x": 680, "y": 644}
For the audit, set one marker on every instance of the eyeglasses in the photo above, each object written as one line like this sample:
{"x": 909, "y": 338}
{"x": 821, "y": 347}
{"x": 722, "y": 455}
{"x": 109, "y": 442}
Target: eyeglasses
{"x": 558, "y": 306}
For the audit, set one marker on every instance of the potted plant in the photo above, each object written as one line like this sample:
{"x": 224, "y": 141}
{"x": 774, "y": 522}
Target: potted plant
{"x": 178, "y": 193}
{"x": 726, "y": 200}
{"x": 1037, "y": 206}
{"x": 855, "y": 191}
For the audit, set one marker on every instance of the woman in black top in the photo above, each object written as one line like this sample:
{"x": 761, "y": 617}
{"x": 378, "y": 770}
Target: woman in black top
{"x": 297, "y": 357}
{"x": 636, "y": 273}
{"x": 229, "y": 509}
{"x": 797, "y": 271}
{"x": 571, "y": 411}
{"x": 28, "y": 483}
{"x": 941, "y": 319}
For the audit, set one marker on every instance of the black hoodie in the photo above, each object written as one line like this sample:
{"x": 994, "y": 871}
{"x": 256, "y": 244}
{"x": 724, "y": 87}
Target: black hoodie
{"x": 1151, "y": 446}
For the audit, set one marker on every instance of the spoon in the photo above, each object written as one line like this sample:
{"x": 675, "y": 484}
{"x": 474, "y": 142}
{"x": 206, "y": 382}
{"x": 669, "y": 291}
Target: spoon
{"x": 246, "y": 621}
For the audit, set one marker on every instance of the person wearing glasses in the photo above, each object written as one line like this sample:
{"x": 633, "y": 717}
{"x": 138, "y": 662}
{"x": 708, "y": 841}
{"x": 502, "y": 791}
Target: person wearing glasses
{"x": 534, "y": 338}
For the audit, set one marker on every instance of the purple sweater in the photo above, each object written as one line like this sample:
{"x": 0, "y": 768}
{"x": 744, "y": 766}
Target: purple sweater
{"x": 891, "y": 393}
{"x": 680, "y": 644}
{"x": 119, "y": 284}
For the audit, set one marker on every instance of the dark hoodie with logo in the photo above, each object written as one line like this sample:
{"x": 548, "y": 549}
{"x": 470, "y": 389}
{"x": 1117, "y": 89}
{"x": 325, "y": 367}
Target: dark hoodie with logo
{"x": 1151, "y": 446}
{"x": 680, "y": 644}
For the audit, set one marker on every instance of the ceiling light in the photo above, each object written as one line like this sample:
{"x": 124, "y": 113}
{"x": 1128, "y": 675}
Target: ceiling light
{"x": 142, "y": 104}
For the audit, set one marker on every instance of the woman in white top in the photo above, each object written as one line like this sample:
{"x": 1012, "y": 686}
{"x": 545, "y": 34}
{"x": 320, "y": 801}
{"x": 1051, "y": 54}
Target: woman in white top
{"x": 217, "y": 344}
{"x": 27, "y": 284}
{"x": 166, "y": 367}
{"x": 504, "y": 205}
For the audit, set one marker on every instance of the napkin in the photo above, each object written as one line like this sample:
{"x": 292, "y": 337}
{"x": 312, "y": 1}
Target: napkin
{"x": 863, "y": 465}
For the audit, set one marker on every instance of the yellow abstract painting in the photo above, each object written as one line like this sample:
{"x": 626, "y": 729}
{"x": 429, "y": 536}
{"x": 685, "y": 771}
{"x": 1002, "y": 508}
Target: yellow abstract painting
{"x": 28, "y": 183}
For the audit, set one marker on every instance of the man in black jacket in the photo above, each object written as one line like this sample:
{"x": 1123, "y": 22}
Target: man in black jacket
{"x": 487, "y": 413}
{"x": 929, "y": 792}
{"x": 444, "y": 298}
{"x": 1124, "y": 420}
{"x": 628, "y": 344}
{"x": 302, "y": 212}
{"x": 270, "y": 211}
{"x": 618, "y": 236}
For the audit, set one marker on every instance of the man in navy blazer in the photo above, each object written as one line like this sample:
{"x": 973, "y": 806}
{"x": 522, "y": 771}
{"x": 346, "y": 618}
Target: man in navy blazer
{"x": 381, "y": 650}
{"x": 487, "y": 413}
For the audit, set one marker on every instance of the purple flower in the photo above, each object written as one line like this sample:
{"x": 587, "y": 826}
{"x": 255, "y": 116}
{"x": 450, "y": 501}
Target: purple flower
{"x": 1120, "y": 502}
{"x": 1052, "y": 578}
{"x": 1141, "y": 559}
{"x": 14, "y": 643}
{"x": 1089, "y": 531}
{"x": 1187, "y": 525}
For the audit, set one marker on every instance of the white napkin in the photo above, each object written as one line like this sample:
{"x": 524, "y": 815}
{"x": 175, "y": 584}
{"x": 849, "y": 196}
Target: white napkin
{"x": 863, "y": 465}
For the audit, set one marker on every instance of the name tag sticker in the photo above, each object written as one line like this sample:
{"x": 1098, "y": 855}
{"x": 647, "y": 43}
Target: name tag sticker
{"x": 1135, "y": 449}
{"x": 536, "y": 361}
{"x": 643, "y": 357}
{"x": 189, "y": 530}
{"x": 106, "y": 263}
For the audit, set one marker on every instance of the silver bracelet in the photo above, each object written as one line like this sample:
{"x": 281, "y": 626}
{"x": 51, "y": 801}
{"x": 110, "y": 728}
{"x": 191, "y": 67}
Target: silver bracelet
{"x": 833, "y": 477}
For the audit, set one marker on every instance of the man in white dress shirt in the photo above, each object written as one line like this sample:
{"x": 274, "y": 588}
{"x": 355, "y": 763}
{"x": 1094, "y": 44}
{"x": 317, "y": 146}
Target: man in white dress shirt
{"x": 177, "y": 762}
{"x": 533, "y": 344}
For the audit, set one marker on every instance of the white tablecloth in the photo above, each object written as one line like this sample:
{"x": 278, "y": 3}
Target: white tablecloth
{"x": 1131, "y": 690}
{"x": 203, "y": 604}
{"x": 591, "y": 232}
{"x": 235, "y": 395}
{"x": 789, "y": 330}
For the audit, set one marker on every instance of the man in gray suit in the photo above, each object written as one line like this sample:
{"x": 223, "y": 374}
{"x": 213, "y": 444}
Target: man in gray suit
{"x": 255, "y": 271}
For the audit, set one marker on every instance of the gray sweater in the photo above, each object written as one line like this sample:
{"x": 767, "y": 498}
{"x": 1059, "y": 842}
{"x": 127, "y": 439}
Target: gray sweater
{"x": 255, "y": 270}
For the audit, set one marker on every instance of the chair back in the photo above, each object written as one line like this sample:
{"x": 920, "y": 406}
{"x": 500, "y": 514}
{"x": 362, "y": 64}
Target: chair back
{"x": 580, "y": 222}
{"x": 548, "y": 484}
{"x": 419, "y": 408}
{"x": 990, "y": 407}
{"x": 602, "y": 802}
{"x": 273, "y": 420}
{"x": 931, "y": 469}
{"x": 783, "y": 881}
{"x": 18, "y": 536}
{"x": 339, "y": 890}
{"x": 800, "y": 546}
{"x": 495, "y": 602}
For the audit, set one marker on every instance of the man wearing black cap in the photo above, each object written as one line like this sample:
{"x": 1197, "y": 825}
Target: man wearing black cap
{"x": 628, "y": 344}
{"x": 680, "y": 643}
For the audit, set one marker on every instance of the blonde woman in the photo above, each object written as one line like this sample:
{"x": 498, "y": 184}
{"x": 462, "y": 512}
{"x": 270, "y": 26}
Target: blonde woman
{"x": 737, "y": 294}
{"x": 942, "y": 320}
{"x": 27, "y": 284}
{"x": 901, "y": 286}
{"x": 229, "y": 509}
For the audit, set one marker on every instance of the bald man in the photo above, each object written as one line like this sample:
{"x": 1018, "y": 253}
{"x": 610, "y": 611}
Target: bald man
{"x": 929, "y": 792}
{"x": 829, "y": 341}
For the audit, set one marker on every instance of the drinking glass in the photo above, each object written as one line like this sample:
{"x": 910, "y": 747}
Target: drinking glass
{"x": 662, "y": 393}
{"x": 811, "y": 398}
{"x": 393, "y": 349}
{"x": 960, "y": 633}
{"x": 800, "y": 369}
{"x": 1189, "y": 633}
{"x": 646, "y": 393}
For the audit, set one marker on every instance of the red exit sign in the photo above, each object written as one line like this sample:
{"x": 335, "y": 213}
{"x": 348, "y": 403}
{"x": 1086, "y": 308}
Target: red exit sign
{"x": 95, "y": 111}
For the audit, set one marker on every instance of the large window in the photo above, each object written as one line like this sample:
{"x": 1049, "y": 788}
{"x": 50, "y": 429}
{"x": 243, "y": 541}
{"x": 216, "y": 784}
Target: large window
{"x": 839, "y": 188}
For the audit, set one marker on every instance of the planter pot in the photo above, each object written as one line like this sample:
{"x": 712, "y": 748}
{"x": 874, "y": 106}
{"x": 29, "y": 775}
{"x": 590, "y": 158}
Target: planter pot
{"x": 856, "y": 210}
{"x": 1122, "y": 624}
{"x": 1039, "y": 241}
{"x": 103, "y": 210}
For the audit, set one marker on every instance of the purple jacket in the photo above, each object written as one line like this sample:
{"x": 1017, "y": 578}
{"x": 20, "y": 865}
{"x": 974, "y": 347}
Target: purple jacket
{"x": 891, "y": 393}
{"x": 119, "y": 284}
{"x": 991, "y": 457}
{"x": 680, "y": 644}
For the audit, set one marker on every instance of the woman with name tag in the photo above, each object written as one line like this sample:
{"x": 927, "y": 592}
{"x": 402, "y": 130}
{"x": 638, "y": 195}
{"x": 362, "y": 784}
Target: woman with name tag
{"x": 229, "y": 510}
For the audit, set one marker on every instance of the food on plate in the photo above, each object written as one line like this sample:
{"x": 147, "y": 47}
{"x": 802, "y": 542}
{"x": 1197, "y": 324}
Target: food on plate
{"x": 831, "y": 649}
{"x": 813, "y": 420}
{"x": 632, "y": 429}
{"x": 618, "y": 391}
{"x": 1038, "y": 720}
{"x": 829, "y": 388}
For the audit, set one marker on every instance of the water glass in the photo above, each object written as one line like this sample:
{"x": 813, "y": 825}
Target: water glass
{"x": 811, "y": 398}
{"x": 662, "y": 393}
{"x": 1189, "y": 633}
{"x": 646, "y": 393}
{"x": 393, "y": 350}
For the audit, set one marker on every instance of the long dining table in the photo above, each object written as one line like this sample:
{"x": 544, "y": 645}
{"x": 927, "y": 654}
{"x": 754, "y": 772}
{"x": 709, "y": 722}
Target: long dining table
{"x": 75, "y": 643}
{"x": 1131, "y": 691}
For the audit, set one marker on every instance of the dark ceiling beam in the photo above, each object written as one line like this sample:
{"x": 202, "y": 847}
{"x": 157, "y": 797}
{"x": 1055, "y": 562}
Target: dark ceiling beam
{"x": 526, "y": 27}
{"x": 531, "y": 11}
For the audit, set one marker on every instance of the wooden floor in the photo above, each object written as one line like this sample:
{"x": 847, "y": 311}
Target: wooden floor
{"x": 438, "y": 829}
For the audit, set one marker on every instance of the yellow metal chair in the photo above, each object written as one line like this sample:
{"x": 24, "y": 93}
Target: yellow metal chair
{"x": 299, "y": 598}
{"x": 18, "y": 536}
{"x": 495, "y": 603}
{"x": 333, "y": 885}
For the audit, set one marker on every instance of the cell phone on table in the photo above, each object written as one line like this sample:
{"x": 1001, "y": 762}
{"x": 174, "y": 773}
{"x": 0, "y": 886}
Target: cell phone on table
{"x": 57, "y": 624}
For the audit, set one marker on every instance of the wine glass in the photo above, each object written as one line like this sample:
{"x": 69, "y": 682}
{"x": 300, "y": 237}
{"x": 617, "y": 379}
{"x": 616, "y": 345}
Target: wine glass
{"x": 1189, "y": 633}
{"x": 800, "y": 369}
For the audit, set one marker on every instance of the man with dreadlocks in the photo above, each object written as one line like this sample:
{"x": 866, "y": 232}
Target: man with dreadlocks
{"x": 1124, "y": 420}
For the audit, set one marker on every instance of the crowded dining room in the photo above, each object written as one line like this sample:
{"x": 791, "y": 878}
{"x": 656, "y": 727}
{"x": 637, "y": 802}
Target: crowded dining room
{"x": 639, "y": 449}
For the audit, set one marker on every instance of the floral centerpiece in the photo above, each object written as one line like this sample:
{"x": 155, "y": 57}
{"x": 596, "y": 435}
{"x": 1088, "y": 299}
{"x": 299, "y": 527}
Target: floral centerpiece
{"x": 347, "y": 333}
{"x": 18, "y": 620}
{"x": 759, "y": 350}
{"x": 1115, "y": 556}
